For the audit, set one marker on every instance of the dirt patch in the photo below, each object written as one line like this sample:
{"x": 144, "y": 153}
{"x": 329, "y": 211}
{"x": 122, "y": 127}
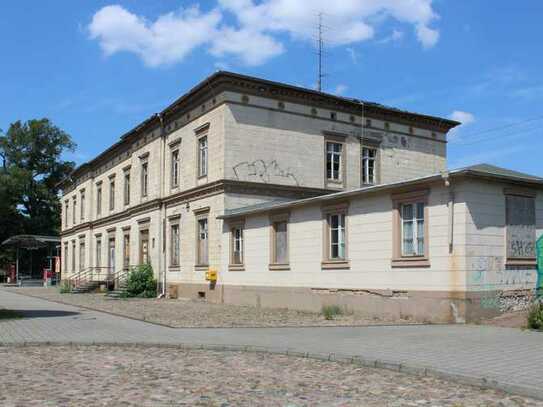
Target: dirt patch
{"x": 185, "y": 313}
{"x": 517, "y": 319}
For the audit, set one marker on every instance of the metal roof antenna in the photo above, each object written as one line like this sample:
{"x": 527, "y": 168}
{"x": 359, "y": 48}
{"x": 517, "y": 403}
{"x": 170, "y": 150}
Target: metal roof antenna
{"x": 320, "y": 49}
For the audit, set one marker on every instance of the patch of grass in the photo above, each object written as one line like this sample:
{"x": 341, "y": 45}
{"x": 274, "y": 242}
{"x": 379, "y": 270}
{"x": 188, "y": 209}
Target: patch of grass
{"x": 9, "y": 314}
{"x": 331, "y": 311}
{"x": 535, "y": 316}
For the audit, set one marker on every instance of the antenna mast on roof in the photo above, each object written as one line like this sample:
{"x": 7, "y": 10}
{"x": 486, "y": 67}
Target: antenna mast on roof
{"x": 320, "y": 42}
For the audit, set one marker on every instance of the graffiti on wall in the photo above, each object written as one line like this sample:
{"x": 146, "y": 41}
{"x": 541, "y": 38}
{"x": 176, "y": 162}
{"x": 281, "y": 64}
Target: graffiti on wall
{"x": 503, "y": 288}
{"x": 261, "y": 171}
{"x": 520, "y": 218}
{"x": 539, "y": 285}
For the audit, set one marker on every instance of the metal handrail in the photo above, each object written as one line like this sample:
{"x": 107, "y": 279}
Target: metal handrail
{"x": 88, "y": 274}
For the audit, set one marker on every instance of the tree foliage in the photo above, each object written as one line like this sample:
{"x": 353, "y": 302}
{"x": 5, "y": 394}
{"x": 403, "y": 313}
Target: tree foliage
{"x": 31, "y": 169}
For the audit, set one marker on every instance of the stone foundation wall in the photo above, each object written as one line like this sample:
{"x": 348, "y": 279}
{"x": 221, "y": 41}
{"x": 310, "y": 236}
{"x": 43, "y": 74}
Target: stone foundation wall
{"x": 419, "y": 306}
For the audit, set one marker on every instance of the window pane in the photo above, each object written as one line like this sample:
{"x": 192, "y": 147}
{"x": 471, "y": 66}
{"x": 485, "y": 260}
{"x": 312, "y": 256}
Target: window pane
{"x": 420, "y": 210}
{"x": 407, "y": 212}
{"x": 420, "y": 237}
{"x": 408, "y": 248}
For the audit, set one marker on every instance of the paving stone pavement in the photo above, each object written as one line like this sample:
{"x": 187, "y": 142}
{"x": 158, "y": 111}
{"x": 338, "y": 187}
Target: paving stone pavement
{"x": 502, "y": 358}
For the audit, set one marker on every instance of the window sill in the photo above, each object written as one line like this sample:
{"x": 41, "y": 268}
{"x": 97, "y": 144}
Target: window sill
{"x": 201, "y": 267}
{"x": 410, "y": 262}
{"x": 236, "y": 267}
{"x": 521, "y": 262}
{"x": 279, "y": 266}
{"x": 174, "y": 269}
{"x": 335, "y": 264}
{"x": 202, "y": 176}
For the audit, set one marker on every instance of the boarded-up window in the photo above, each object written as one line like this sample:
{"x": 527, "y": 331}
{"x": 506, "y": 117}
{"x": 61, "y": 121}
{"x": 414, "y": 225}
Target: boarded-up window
{"x": 174, "y": 245}
{"x": 98, "y": 261}
{"x": 520, "y": 219}
{"x": 73, "y": 256}
{"x": 280, "y": 243}
{"x": 81, "y": 255}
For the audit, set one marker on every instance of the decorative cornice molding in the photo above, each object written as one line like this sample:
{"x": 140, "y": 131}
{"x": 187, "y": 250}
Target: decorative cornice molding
{"x": 214, "y": 188}
{"x": 221, "y": 81}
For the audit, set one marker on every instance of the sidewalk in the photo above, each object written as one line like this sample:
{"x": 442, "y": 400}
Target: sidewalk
{"x": 502, "y": 358}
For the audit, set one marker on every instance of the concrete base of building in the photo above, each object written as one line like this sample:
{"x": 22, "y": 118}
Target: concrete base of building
{"x": 419, "y": 306}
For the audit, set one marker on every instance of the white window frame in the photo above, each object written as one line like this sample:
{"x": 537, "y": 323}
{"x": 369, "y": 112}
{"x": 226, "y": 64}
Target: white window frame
{"x": 237, "y": 245}
{"x": 341, "y": 237}
{"x": 203, "y": 155}
{"x": 366, "y": 160}
{"x": 414, "y": 221}
{"x": 331, "y": 157}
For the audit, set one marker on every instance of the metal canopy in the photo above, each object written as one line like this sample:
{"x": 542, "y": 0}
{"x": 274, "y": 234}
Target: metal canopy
{"x": 30, "y": 242}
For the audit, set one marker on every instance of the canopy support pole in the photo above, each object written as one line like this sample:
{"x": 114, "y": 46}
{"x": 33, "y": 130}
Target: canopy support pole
{"x": 17, "y": 268}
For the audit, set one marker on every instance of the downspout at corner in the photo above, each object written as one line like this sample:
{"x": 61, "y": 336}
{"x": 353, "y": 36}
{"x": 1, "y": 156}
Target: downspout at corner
{"x": 162, "y": 206}
{"x": 450, "y": 206}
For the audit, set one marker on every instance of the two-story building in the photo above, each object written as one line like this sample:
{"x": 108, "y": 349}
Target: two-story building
{"x": 298, "y": 199}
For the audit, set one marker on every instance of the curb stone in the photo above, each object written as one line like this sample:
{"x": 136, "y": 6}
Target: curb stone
{"x": 480, "y": 382}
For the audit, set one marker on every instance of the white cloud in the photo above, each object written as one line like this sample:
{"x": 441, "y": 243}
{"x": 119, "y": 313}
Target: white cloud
{"x": 395, "y": 36}
{"x": 253, "y": 31}
{"x": 465, "y": 118}
{"x": 252, "y": 47}
{"x": 353, "y": 54}
{"x": 427, "y": 36}
{"x": 167, "y": 40}
{"x": 340, "y": 89}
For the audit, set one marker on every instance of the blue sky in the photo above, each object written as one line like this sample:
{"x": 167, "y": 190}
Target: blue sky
{"x": 98, "y": 68}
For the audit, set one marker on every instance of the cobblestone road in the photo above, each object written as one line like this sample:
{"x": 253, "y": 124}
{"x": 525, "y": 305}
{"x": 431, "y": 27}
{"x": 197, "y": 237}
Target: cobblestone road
{"x": 500, "y": 357}
{"x": 87, "y": 375}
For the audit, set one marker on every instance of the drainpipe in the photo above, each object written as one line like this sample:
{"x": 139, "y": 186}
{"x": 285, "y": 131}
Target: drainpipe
{"x": 450, "y": 206}
{"x": 162, "y": 206}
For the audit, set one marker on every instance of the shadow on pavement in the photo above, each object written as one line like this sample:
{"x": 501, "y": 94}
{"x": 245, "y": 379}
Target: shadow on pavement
{"x": 42, "y": 313}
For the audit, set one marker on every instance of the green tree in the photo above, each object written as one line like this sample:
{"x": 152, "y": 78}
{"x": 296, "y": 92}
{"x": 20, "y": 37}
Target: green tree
{"x": 32, "y": 167}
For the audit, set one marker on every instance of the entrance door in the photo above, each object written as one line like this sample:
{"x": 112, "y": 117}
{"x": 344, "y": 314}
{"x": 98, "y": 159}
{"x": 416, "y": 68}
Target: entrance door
{"x": 144, "y": 247}
{"x": 111, "y": 255}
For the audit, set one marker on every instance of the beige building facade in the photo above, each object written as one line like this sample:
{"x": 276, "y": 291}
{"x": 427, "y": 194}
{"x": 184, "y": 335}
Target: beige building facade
{"x": 300, "y": 199}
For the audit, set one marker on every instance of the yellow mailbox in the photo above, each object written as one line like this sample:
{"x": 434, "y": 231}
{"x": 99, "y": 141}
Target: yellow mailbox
{"x": 211, "y": 275}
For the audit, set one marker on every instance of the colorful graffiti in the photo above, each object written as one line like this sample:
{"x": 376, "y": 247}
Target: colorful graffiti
{"x": 539, "y": 251}
{"x": 505, "y": 288}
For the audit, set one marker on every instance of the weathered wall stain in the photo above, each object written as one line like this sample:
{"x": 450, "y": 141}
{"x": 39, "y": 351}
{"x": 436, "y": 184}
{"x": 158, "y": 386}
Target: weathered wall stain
{"x": 262, "y": 171}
